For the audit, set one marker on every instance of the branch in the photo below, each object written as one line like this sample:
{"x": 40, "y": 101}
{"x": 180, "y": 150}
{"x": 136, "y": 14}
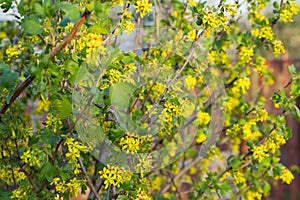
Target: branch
{"x": 30, "y": 78}
{"x": 16, "y": 93}
{"x": 88, "y": 180}
{"x": 171, "y": 82}
{"x": 71, "y": 35}
{"x": 138, "y": 34}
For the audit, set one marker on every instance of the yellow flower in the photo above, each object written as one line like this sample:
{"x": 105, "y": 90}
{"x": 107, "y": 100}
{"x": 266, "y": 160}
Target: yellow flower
{"x": 254, "y": 195}
{"x": 278, "y": 48}
{"x": 114, "y": 75}
{"x": 203, "y": 118}
{"x": 201, "y": 137}
{"x": 259, "y": 152}
{"x": 117, "y": 2}
{"x": 286, "y": 175}
{"x": 218, "y": 57}
{"x": 175, "y": 13}
{"x": 245, "y": 55}
{"x": 238, "y": 177}
{"x": 130, "y": 143}
{"x": 19, "y": 193}
{"x": 264, "y": 32}
{"x": 143, "y": 7}
{"x": 260, "y": 66}
{"x": 288, "y": 11}
{"x": 43, "y": 106}
{"x": 241, "y": 85}
{"x": 14, "y": 51}
{"x": 274, "y": 142}
{"x": 192, "y": 3}
{"x": 128, "y": 26}
{"x": 190, "y": 82}
{"x": 113, "y": 175}
{"x": 192, "y": 35}
{"x": 74, "y": 149}
{"x": 143, "y": 195}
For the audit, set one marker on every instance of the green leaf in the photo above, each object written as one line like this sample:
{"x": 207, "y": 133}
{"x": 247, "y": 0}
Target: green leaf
{"x": 71, "y": 66}
{"x": 292, "y": 69}
{"x": 234, "y": 162}
{"x": 113, "y": 55}
{"x": 64, "y": 22}
{"x": 297, "y": 111}
{"x": 267, "y": 188}
{"x": 99, "y": 29}
{"x": 193, "y": 9}
{"x": 30, "y": 26}
{"x": 5, "y": 5}
{"x": 199, "y": 21}
{"x": 4, "y": 67}
{"x": 102, "y": 9}
{"x": 8, "y": 79}
{"x": 121, "y": 93}
{"x": 63, "y": 107}
{"x": 287, "y": 132}
{"x": 72, "y": 11}
{"x": 47, "y": 171}
{"x": 39, "y": 9}
{"x": 275, "y": 4}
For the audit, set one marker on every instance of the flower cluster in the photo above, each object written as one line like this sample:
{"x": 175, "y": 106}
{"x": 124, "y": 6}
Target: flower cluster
{"x": 14, "y": 51}
{"x": 74, "y": 149}
{"x": 156, "y": 89}
{"x": 190, "y": 82}
{"x": 200, "y": 137}
{"x": 203, "y": 118}
{"x": 288, "y": 11}
{"x": 43, "y": 106}
{"x": 32, "y": 157}
{"x": 143, "y": 7}
{"x": 192, "y": 35}
{"x": 254, "y": 194}
{"x": 264, "y": 32}
{"x": 241, "y": 85}
{"x": 90, "y": 42}
{"x": 218, "y": 57}
{"x": 238, "y": 178}
{"x": 275, "y": 141}
{"x": 127, "y": 24}
{"x": 260, "y": 65}
{"x": 211, "y": 20}
{"x": 115, "y": 176}
{"x": 72, "y": 186}
{"x": 8, "y": 175}
{"x": 131, "y": 143}
{"x": 286, "y": 175}
{"x": 260, "y": 152}
{"x": 245, "y": 55}
{"x": 278, "y": 47}
{"x": 53, "y": 123}
{"x": 143, "y": 195}
{"x": 19, "y": 193}
{"x": 166, "y": 117}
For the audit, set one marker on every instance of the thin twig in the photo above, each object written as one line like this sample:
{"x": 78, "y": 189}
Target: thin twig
{"x": 170, "y": 83}
{"x": 156, "y": 21}
{"x": 138, "y": 34}
{"x": 88, "y": 180}
{"x": 16, "y": 93}
{"x": 71, "y": 35}
{"x": 54, "y": 51}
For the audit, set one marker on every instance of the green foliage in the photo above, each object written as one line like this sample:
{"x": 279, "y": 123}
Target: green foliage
{"x": 182, "y": 107}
